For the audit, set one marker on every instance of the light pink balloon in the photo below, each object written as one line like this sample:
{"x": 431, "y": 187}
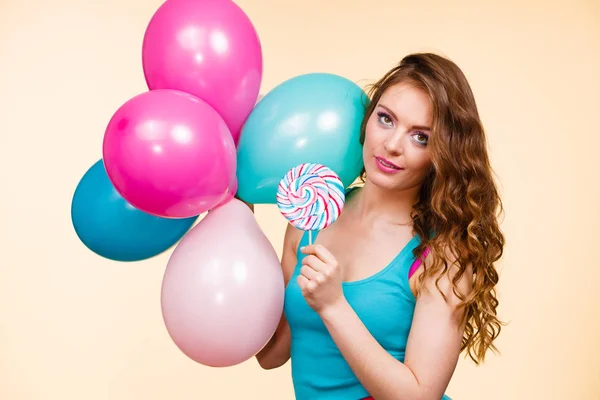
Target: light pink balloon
{"x": 208, "y": 48}
{"x": 223, "y": 288}
{"x": 170, "y": 154}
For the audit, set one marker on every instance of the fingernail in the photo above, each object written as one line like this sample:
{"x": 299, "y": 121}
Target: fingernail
{"x": 302, "y": 248}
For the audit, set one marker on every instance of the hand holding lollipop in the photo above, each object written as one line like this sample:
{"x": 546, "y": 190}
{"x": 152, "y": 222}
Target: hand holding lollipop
{"x": 311, "y": 196}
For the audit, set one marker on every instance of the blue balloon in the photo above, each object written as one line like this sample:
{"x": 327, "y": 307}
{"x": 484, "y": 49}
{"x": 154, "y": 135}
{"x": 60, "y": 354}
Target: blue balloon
{"x": 110, "y": 227}
{"x": 311, "y": 118}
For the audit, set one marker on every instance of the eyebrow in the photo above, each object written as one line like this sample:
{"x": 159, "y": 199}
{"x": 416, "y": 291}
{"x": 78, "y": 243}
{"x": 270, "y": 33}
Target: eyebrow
{"x": 420, "y": 127}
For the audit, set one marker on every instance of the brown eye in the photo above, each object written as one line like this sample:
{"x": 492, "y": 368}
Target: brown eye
{"x": 385, "y": 119}
{"x": 421, "y": 138}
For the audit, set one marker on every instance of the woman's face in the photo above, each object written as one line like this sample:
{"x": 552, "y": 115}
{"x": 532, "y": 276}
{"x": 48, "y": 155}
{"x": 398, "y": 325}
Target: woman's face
{"x": 395, "y": 150}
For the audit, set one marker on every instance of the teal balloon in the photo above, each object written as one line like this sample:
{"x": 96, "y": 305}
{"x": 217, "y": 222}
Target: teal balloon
{"x": 311, "y": 118}
{"x": 110, "y": 227}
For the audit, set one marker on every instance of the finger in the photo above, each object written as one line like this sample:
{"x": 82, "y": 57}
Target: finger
{"x": 306, "y": 285}
{"x": 315, "y": 263}
{"x": 308, "y": 272}
{"x": 320, "y": 251}
{"x": 302, "y": 282}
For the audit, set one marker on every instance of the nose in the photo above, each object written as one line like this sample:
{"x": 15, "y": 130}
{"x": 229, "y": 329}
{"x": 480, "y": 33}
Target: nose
{"x": 394, "y": 145}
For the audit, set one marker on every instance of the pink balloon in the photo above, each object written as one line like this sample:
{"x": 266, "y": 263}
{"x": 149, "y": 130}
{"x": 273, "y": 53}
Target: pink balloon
{"x": 208, "y": 48}
{"x": 223, "y": 288}
{"x": 170, "y": 154}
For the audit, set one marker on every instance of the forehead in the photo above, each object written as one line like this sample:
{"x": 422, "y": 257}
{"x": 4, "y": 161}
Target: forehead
{"x": 409, "y": 103}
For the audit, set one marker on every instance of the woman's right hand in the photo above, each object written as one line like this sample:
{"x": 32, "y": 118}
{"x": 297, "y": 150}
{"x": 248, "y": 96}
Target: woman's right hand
{"x": 277, "y": 350}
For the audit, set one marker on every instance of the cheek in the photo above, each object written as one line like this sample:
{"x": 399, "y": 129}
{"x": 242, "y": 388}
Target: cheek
{"x": 372, "y": 134}
{"x": 419, "y": 161}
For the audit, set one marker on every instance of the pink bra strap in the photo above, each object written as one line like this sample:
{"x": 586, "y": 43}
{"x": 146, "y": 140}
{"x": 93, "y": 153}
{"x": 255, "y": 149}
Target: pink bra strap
{"x": 417, "y": 263}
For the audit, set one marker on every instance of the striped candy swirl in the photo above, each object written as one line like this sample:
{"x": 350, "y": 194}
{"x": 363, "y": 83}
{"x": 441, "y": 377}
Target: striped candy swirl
{"x": 311, "y": 196}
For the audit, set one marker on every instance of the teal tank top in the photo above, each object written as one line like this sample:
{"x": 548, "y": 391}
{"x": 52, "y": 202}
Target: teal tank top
{"x": 385, "y": 304}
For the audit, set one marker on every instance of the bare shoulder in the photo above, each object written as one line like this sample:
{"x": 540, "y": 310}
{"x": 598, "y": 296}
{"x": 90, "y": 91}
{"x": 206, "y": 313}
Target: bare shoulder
{"x": 289, "y": 258}
{"x": 454, "y": 283}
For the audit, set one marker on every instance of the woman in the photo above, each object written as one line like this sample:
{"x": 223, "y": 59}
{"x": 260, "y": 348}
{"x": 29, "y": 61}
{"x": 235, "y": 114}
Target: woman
{"x": 390, "y": 294}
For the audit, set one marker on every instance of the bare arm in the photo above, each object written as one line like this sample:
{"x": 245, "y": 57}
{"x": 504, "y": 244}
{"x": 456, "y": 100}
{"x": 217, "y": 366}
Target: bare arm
{"x": 277, "y": 351}
{"x": 432, "y": 350}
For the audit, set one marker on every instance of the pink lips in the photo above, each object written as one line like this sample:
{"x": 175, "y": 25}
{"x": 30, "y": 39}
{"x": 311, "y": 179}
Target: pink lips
{"x": 387, "y": 166}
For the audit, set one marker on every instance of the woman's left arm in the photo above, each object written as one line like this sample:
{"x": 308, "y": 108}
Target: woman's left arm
{"x": 433, "y": 345}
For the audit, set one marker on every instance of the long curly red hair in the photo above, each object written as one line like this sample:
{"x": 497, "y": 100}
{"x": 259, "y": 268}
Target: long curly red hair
{"x": 458, "y": 200}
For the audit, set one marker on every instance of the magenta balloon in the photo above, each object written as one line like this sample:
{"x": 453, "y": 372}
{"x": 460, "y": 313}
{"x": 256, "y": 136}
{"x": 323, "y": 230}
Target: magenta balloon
{"x": 208, "y": 48}
{"x": 223, "y": 288}
{"x": 170, "y": 154}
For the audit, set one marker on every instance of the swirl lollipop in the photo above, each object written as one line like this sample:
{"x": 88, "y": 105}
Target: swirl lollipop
{"x": 311, "y": 196}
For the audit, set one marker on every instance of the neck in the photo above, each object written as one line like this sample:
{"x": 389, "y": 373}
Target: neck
{"x": 376, "y": 205}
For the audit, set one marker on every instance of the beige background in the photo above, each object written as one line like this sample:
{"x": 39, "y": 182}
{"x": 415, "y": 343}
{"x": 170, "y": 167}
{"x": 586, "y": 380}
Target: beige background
{"x": 69, "y": 329}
